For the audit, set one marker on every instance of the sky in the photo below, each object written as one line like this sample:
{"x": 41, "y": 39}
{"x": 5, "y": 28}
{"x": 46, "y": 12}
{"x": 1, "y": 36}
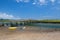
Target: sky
{"x": 30, "y": 9}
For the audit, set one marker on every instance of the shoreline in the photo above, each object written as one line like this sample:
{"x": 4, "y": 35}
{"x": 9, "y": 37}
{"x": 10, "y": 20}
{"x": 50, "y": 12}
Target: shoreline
{"x": 6, "y": 34}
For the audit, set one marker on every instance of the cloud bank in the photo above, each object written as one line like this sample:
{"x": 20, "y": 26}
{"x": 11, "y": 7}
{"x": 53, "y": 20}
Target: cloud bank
{"x": 22, "y": 1}
{"x": 39, "y": 2}
{"x": 7, "y": 16}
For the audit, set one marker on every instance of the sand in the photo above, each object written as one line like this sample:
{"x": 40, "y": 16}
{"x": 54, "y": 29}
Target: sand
{"x": 6, "y": 34}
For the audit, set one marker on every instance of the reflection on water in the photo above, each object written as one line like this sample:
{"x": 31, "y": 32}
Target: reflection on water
{"x": 43, "y": 26}
{"x": 39, "y": 27}
{"x": 46, "y": 25}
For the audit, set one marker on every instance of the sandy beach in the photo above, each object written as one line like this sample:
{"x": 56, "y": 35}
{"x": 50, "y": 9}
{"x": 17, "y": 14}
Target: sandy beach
{"x": 6, "y": 34}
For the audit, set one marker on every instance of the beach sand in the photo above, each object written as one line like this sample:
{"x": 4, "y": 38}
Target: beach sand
{"x": 6, "y": 34}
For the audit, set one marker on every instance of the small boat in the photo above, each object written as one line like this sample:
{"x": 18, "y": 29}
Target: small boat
{"x": 12, "y": 28}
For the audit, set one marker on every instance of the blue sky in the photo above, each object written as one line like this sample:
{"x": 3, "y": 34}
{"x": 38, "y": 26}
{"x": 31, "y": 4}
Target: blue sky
{"x": 30, "y": 9}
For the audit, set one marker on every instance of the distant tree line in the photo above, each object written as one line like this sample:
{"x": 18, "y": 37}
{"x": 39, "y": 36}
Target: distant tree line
{"x": 26, "y": 22}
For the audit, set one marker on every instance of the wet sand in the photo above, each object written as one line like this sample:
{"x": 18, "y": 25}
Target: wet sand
{"x": 6, "y": 34}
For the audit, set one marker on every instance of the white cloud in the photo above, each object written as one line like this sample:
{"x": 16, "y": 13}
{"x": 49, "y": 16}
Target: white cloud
{"x": 42, "y": 2}
{"x": 45, "y": 2}
{"x": 7, "y": 16}
{"x": 26, "y": 0}
{"x": 22, "y": 1}
{"x": 18, "y": 1}
{"x": 52, "y": 1}
{"x": 39, "y": 2}
{"x": 34, "y": 3}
